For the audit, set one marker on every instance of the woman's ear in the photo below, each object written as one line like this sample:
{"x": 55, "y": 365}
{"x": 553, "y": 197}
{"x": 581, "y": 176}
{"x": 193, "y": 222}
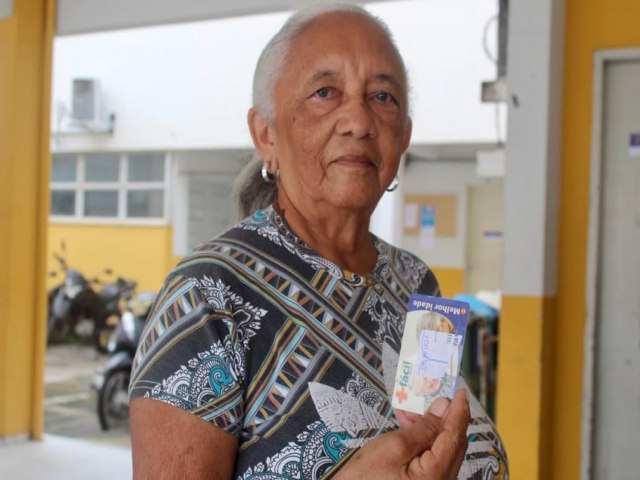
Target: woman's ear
{"x": 262, "y": 134}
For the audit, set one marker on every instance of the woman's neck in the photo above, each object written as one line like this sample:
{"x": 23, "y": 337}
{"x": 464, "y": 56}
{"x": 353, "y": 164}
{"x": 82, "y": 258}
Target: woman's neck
{"x": 340, "y": 236}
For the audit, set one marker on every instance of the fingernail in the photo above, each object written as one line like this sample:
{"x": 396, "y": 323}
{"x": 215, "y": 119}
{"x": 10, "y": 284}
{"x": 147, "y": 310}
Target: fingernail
{"x": 438, "y": 407}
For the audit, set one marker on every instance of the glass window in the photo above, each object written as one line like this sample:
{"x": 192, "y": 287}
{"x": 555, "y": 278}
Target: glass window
{"x": 101, "y": 203}
{"x": 145, "y": 203}
{"x": 63, "y": 168}
{"x": 146, "y": 167}
{"x": 102, "y": 167}
{"x": 93, "y": 185}
{"x": 63, "y": 202}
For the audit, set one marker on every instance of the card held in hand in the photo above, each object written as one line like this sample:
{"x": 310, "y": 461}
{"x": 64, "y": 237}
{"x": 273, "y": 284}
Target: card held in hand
{"x": 431, "y": 352}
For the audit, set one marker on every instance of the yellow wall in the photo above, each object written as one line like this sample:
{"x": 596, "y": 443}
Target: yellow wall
{"x": 525, "y": 363}
{"x": 143, "y": 254}
{"x": 25, "y": 78}
{"x": 451, "y": 280}
{"x": 591, "y": 25}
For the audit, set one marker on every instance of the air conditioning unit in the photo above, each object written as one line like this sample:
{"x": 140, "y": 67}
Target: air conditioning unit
{"x": 86, "y": 103}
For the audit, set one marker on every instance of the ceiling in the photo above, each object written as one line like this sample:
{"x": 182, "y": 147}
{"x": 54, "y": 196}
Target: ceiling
{"x": 84, "y": 16}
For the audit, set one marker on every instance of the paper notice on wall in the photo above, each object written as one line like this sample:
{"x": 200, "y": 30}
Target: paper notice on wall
{"x": 427, "y": 236}
{"x": 411, "y": 215}
{"x": 634, "y": 144}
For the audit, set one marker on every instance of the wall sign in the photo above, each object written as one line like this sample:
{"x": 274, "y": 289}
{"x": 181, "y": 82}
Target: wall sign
{"x": 634, "y": 144}
{"x": 427, "y": 226}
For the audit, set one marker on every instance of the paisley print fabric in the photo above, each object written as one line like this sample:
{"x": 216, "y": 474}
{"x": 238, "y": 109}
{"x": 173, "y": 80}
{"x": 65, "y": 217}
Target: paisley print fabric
{"x": 258, "y": 334}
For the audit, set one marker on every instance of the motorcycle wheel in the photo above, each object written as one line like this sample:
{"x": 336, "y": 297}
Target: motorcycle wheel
{"x": 51, "y": 324}
{"x": 113, "y": 400}
{"x": 101, "y": 338}
{"x": 58, "y": 330}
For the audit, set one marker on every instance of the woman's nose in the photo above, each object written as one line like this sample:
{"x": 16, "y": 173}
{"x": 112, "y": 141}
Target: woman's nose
{"x": 356, "y": 119}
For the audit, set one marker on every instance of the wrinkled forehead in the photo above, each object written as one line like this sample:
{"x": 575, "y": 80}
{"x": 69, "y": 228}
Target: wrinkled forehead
{"x": 328, "y": 34}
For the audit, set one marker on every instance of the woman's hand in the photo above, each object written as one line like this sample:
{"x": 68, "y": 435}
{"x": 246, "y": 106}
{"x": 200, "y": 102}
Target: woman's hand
{"x": 406, "y": 419}
{"x": 432, "y": 448}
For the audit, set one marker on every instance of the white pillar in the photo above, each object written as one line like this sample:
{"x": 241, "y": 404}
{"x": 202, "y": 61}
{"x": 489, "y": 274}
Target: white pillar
{"x": 533, "y": 154}
{"x": 533, "y": 148}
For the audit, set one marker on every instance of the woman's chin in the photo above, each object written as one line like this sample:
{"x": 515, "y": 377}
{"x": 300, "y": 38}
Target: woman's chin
{"x": 358, "y": 193}
{"x": 354, "y": 200}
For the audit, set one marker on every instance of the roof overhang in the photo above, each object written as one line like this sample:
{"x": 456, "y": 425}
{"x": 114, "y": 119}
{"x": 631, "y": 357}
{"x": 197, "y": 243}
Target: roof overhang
{"x": 85, "y": 16}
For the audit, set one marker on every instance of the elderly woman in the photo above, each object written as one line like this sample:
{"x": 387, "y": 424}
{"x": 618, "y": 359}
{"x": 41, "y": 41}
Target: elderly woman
{"x": 272, "y": 349}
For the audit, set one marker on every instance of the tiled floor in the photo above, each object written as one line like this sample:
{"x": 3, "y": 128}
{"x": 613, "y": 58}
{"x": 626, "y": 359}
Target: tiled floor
{"x": 74, "y": 447}
{"x": 60, "y": 458}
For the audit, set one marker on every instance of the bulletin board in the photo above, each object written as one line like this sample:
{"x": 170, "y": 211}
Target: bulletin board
{"x": 446, "y": 219}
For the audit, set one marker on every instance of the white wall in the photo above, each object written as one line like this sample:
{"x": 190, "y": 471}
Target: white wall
{"x": 441, "y": 42}
{"x": 188, "y": 86}
{"x": 442, "y": 177}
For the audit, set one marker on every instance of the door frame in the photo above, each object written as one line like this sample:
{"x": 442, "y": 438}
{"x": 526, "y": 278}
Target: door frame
{"x": 600, "y": 60}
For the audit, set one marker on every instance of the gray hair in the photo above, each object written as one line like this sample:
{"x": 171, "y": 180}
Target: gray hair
{"x": 274, "y": 56}
{"x": 251, "y": 191}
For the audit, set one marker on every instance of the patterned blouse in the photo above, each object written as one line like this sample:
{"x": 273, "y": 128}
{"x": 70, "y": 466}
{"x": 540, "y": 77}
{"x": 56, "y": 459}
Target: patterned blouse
{"x": 259, "y": 335}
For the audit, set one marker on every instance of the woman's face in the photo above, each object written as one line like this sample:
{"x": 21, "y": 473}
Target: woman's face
{"x": 341, "y": 121}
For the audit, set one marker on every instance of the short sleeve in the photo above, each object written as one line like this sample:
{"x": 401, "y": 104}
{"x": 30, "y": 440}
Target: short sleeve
{"x": 188, "y": 356}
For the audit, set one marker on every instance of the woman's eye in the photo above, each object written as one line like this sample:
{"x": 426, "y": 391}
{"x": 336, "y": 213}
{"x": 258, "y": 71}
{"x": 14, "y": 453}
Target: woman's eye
{"x": 323, "y": 92}
{"x": 383, "y": 97}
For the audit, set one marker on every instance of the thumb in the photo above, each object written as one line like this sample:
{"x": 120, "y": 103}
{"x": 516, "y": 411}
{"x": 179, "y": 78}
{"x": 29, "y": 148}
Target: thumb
{"x": 406, "y": 419}
{"x": 439, "y": 407}
{"x": 426, "y": 429}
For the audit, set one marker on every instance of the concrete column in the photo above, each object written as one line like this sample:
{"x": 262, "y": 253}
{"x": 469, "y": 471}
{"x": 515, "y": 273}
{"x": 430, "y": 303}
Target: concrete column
{"x": 26, "y": 33}
{"x": 533, "y": 152}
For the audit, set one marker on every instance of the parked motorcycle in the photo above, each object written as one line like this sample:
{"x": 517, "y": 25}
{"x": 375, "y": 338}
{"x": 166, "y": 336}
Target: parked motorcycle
{"x": 112, "y": 382}
{"x": 75, "y": 308}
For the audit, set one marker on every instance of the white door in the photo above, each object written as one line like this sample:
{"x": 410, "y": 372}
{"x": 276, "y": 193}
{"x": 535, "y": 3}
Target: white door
{"x": 485, "y": 222}
{"x": 616, "y": 389}
{"x": 210, "y": 203}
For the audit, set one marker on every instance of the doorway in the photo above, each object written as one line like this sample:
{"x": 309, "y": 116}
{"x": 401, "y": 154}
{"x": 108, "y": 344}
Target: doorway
{"x": 612, "y": 349}
{"x": 485, "y": 214}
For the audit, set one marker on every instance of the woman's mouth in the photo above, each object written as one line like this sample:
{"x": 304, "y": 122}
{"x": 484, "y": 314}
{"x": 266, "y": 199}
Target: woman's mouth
{"x": 354, "y": 161}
